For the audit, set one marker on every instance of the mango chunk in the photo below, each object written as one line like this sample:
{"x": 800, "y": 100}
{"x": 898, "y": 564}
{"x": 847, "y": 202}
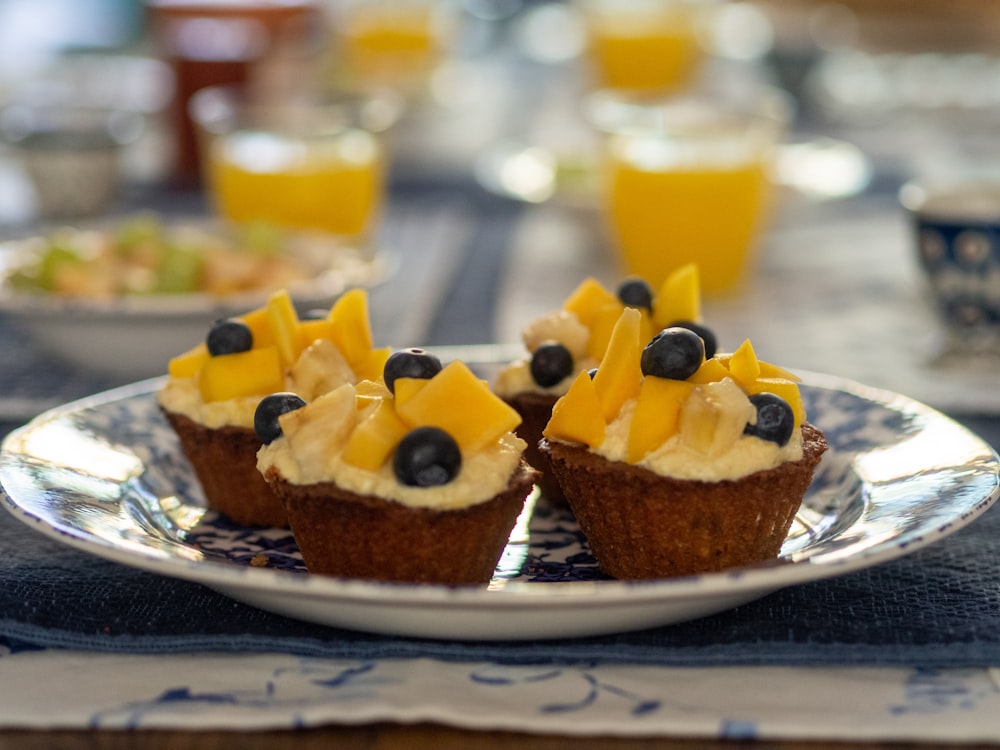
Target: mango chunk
{"x": 744, "y": 365}
{"x": 462, "y": 405}
{"x": 366, "y": 392}
{"x": 711, "y": 371}
{"x": 679, "y": 297}
{"x": 619, "y": 373}
{"x": 588, "y": 298}
{"x": 351, "y": 330}
{"x": 370, "y": 366}
{"x": 657, "y": 415}
{"x": 188, "y": 364}
{"x": 577, "y": 416}
{"x": 602, "y": 323}
{"x": 285, "y": 327}
{"x": 786, "y": 389}
{"x": 375, "y": 437}
{"x": 256, "y": 372}
{"x": 313, "y": 330}
{"x": 768, "y": 370}
{"x": 259, "y": 322}
{"x": 407, "y": 388}
{"x": 317, "y": 432}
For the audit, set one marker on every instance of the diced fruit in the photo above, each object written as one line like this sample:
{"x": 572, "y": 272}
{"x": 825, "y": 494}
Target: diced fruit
{"x": 743, "y": 365}
{"x": 229, "y": 336}
{"x": 369, "y": 390}
{"x": 285, "y": 327}
{"x": 188, "y": 364}
{"x": 588, "y": 298}
{"x": 618, "y": 376}
{"x": 679, "y": 297}
{"x": 318, "y": 433}
{"x": 372, "y": 365}
{"x": 636, "y": 293}
{"x": 253, "y": 373}
{"x": 577, "y": 416}
{"x": 706, "y": 333}
{"x": 551, "y": 363}
{"x": 320, "y": 368}
{"x": 711, "y": 371}
{"x": 409, "y": 363}
{"x": 352, "y": 331}
{"x": 558, "y": 326}
{"x": 375, "y": 437}
{"x": 775, "y": 420}
{"x": 427, "y": 457}
{"x": 260, "y": 324}
{"x": 714, "y": 417}
{"x": 462, "y": 405}
{"x": 657, "y": 414}
{"x": 767, "y": 370}
{"x": 407, "y": 388}
{"x": 787, "y": 390}
{"x": 602, "y": 323}
{"x": 674, "y": 353}
{"x": 315, "y": 329}
{"x": 265, "y": 418}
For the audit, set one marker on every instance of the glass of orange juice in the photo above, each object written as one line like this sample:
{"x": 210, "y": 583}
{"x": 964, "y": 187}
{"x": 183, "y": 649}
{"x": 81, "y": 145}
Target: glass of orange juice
{"x": 315, "y": 161}
{"x": 644, "y": 45}
{"x": 687, "y": 179}
{"x": 394, "y": 43}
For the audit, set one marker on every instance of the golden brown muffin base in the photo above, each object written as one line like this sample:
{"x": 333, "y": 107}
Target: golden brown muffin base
{"x": 642, "y": 525}
{"x": 225, "y": 461}
{"x": 536, "y": 410}
{"x": 341, "y": 533}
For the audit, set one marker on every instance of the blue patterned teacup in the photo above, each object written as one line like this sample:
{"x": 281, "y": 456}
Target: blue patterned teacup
{"x": 957, "y": 227}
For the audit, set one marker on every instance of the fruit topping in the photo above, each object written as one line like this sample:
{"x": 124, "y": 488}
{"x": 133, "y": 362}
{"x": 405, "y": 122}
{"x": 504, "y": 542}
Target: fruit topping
{"x": 588, "y": 298}
{"x": 265, "y": 418}
{"x": 256, "y": 372}
{"x": 551, "y": 363}
{"x": 409, "y": 363}
{"x": 713, "y": 418}
{"x": 679, "y": 296}
{"x": 577, "y": 417}
{"x": 375, "y": 437}
{"x": 427, "y": 457}
{"x": 636, "y": 293}
{"x": 706, "y": 333}
{"x": 285, "y": 326}
{"x": 618, "y": 376}
{"x": 229, "y": 336}
{"x": 320, "y": 368}
{"x": 657, "y": 415}
{"x": 558, "y": 326}
{"x": 675, "y": 353}
{"x": 775, "y": 420}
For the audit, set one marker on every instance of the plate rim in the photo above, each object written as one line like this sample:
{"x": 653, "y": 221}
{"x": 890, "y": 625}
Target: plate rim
{"x": 765, "y": 577}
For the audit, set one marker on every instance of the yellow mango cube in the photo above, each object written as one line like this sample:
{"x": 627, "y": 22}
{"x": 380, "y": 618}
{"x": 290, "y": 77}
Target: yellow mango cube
{"x": 371, "y": 366}
{"x": 257, "y": 372}
{"x": 786, "y": 389}
{"x": 744, "y": 365}
{"x": 351, "y": 330}
{"x": 620, "y": 373}
{"x": 577, "y": 417}
{"x": 285, "y": 327}
{"x": 679, "y": 297}
{"x": 407, "y": 388}
{"x": 657, "y": 415}
{"x": 587, "y": 299}
{"x": 462, "y": 405}
{"x": 768, "y": 370}
{"x": 711, "y": 371}
{"x": 259, "y": 322}
{"x": 602, "y": 323}
{"x": 375, "y": 437}
{"x": 188, "y": 364}
{"x": 314, "y": 330}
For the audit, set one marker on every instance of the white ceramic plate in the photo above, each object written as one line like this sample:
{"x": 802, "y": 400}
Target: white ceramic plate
{"x": 132, "y": 337}
{"x": 106, "y": 475}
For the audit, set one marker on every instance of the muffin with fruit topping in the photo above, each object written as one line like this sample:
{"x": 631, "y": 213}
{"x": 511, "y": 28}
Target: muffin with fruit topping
{"x": 571, "y": 340}
{"x": 675, "y": 463}
{"x": 416, "y": 478}
{"x": 213, "y": 391}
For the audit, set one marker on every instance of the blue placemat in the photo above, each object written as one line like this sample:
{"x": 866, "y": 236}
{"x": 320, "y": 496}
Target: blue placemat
{"x": 939, "y": 607}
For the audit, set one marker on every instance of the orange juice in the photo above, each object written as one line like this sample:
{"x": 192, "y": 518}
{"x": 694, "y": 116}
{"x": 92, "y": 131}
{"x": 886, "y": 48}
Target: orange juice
{"x": 644, "y": 45}
{"x": 666, "y": 217}
{"x": 329, "y": 183}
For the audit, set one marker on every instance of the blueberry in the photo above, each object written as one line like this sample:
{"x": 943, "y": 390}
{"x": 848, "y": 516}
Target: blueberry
{"x": 707, "y": 335}
{"x": 265, "y": 418}
{"x": 550, "y": 364}
{"x": 427, "y": 457}
{"x": 229, "y": 336}
{"x": 636, "y": 293}
{"x": 409, "y": 363}
{"x": 775, "y": 420}
{"x": 674, "y": 353}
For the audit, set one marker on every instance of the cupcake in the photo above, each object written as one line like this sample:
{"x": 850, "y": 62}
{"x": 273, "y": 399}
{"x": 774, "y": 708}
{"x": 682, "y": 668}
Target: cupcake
{"x": 417, "y": 478}
{"x": 571, "y": 340}
{"x": 213, "y": 390}
{"x": 675, "y": 463}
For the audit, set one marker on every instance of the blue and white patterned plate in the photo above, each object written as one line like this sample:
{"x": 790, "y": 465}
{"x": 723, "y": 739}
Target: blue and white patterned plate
{"x": 106, "y": 475}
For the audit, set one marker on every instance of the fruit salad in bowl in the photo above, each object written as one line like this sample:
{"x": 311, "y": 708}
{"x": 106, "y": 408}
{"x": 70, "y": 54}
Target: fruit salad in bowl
{"x": 120, "y": 299}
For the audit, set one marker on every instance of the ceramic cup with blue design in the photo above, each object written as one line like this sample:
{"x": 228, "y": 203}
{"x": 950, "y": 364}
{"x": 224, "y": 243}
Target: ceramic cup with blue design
{"x": 957, "y": 232}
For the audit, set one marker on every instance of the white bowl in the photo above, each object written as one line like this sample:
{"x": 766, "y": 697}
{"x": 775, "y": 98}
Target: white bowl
{"x": 134, "y": 337}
